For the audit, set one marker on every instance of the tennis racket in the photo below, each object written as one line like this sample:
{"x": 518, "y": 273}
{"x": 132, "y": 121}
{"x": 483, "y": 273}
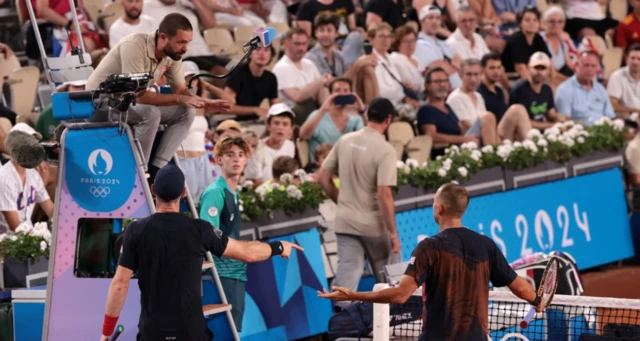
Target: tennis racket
{"x": 547, "y": 288}
{"x": 119, "y": 331}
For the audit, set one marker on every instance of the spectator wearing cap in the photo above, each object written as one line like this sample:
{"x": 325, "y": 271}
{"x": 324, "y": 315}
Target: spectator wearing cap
{"x": 300, "y": 85}
{"x": 628, "y": 32}
{"x": 46, "y": 124}
{"x": 536, "y": 95}
{"x": 437, "y": 118}
{"x": 132, "y": 21}
{"x": 581, "y": 97}
{"x": 464, "y": 41}
{"x": 251, "y": 83}
{"x": 333, "y": 119}
{"x": 624, "y": 84}
{"x": 366, "y": 164}
{"x": 280, "y": 129}
{"x": 22, "y": 186}
{"x": 198, "y": 170}
{"x": 524, "y": 43}
{"x": 433, "y": 52}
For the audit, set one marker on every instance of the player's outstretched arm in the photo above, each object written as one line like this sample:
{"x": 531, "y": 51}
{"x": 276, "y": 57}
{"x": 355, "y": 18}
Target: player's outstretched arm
{"x": 523, "y": 289}
{"x": 115, "y": 300}
{"x": 254, "y": 251}
{"x": 398, "y": 295}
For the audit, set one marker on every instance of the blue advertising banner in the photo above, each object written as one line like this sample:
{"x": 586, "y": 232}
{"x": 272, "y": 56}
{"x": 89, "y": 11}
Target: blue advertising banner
{"x": 585, "y": 216}
{"x": 100, "y": 168}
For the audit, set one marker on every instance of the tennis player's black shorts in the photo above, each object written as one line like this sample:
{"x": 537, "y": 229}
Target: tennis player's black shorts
{"x": 206, "y": 336}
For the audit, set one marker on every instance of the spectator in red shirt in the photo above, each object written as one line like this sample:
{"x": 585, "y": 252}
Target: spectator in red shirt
{"x": 629, "y": 28}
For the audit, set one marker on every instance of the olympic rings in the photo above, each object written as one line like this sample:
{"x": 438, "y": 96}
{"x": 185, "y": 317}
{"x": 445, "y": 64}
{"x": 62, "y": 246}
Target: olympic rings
{"x": 100, "y": 191}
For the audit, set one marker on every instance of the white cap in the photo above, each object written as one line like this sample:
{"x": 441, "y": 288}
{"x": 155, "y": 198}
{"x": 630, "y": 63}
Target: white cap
{"x": 27, "y": 129}
{"x": 190, "y": 68}
{"x": 539, "y": 59}
{"x": 279, "y": 109}
{"x": 427, "y": 10}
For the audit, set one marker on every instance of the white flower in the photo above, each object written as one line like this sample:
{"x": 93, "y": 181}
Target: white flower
{"x": 300, "y": 173}
{"x": 504, "y": 151}
{"x": 580, "y": 139}
{"x": 453, "y": 150}
{"x": 241, "y": 208}
{"x": 476, "y": 155}
{"x": 442, "y": 172}
{"x": 517, "y": 144}
{"x": 412, "y": 163}
{"x": 21, "y": 228}
{"x": 487, "y": 149}
{"x": 618, "y": 124}
{"x": 274, "y": 185}
{"x": 262, "y": 191}
{"x": 455, "y": 182}
{"x": 3, "y": 237}
{"x": 533, "y": 133}
{"x": 552, "y": 137}
{"x": 13, "y": 238}
{"x": 542, "y": 142}
{"x": 552, "y": 131}
{"x": 469, "y": 145}
{"x": 239, "y": 189}
{"x": 506, "y": 142}
{"x": 634, "y": 116}
{"x": 248, "y": 184}
{"x": 424, "y": 164}
{"x": 294, "y": 192}
{"x": 43, "y": 245}
{"x": 286, "y": 178}
{"x": 447, "y": 164}
{"x": 438, "y": 157}
{"x": 400, "y": 164}
{"x": 528, "y": 144}
{"x": 463, "y": 171}
{"x": 567, "y": 141}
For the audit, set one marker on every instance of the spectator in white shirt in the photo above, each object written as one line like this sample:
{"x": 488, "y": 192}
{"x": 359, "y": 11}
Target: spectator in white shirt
{"x": 464, "y": 41}
{"x": 300, "y": 85}
{"x": 22, "y": 188}
{"x": 624, "y": 84}
{"x": 433, "y": 52}
{"x": 198, "y": 51}
{"x": 387, "y": 75}
{"x": 133, "y": 21}
{"x": 280, "y": 127}
{"x": 231, "y": 12}
{"x": 410, "y": 69}
{"x": 468, "y": 105}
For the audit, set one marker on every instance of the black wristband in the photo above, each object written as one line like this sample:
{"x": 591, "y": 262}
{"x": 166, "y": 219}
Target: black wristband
{"x": 536, "y": 302}
{"x": 276, "y": 248}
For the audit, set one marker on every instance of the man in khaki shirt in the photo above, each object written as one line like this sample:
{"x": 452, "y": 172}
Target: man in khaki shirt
{"x": 365, "y": 222}
{"x": 161, "y": 53}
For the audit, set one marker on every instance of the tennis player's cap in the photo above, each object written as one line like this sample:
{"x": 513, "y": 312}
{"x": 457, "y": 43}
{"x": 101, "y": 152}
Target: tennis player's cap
{"x": 280, "y": 109}
{"x": 428, "y": 10}
{"x": 169, "y": 183}
{"x": 539, "y": 59}
{"x": 380, "y": 108}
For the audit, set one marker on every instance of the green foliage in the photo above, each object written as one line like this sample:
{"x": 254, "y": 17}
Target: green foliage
{"x": 27, "y": 242}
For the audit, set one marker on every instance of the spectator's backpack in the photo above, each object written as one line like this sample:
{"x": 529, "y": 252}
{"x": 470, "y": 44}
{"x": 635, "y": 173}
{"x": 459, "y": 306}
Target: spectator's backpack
{"x": 569, "y": 282}
{"x": 355, "y": 320}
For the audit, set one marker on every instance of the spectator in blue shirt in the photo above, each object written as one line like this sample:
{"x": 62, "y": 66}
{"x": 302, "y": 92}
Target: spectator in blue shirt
{"x": 581, "y": 97}
{"x": 333, "y": 119}
{"x": 507, "y": 9}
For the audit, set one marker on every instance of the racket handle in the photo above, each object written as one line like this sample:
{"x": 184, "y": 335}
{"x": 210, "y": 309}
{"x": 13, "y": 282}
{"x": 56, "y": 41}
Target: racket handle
{"x": 527, "y": 319}
{"x": 117, "y": 333}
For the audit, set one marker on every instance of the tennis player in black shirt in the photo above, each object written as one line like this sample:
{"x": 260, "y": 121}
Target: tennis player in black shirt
{"x": 166, "y": 249}
{"x": 454, "y": 269}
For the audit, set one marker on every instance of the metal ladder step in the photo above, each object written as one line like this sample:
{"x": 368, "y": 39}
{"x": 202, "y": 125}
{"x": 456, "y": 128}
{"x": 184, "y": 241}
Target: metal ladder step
{"x": 207, "y": 265}
{"x": 212, "y": 309}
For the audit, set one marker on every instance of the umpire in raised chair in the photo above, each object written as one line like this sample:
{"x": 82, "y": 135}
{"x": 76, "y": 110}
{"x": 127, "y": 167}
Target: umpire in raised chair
{"x": 160, "y": 53}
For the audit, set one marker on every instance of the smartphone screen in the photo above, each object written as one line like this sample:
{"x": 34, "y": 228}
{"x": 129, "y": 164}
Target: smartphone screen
{"x": 367, "y": 47}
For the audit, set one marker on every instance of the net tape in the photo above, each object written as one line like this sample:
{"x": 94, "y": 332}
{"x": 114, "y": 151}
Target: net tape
{"x": 568, "y": 318}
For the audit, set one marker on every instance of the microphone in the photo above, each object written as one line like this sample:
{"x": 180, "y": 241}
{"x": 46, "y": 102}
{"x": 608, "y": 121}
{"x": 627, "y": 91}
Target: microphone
{"x": 24, "y": 149}
{"x": 262, "y": 37}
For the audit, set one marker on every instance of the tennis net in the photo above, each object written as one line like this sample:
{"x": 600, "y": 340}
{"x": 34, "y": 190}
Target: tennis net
{"x": 568, "y": 318}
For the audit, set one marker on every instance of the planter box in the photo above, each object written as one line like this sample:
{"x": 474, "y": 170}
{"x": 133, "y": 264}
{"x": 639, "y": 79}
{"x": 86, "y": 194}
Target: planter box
{"x": 546, "y": 172}
{"x": 595, "y": 162}
{"x": 406, "y": 198}
{"x": 281, "y": 224}
{"x": 15, "y": 273}
{"x": 486, "y": 181}
{"x": 425, "y": 196}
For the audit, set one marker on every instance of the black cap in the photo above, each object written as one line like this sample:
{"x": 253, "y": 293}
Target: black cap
{"x": 380, "y": 108}
{"x": 169, "y": 183}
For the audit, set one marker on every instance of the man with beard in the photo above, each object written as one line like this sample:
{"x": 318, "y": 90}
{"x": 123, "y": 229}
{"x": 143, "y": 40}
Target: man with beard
{"x": 536, "y": 95}
{"x": 449, "y": 299}
{"x": 494, "y": 96}
{"x": 133, "y": 21}
{"x": 160, "y": 53}
{"x": 252, "y": 83}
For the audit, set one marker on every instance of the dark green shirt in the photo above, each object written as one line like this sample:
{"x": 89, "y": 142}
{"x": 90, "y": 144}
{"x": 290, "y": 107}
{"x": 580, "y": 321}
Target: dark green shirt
{"x": 220, "y": 206}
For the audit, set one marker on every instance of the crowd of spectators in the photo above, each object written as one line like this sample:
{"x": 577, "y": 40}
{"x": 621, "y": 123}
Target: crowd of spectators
{"x": 457, "y": 71}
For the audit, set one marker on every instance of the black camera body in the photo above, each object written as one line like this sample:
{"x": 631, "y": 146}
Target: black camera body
{"x": 127, "y": 82}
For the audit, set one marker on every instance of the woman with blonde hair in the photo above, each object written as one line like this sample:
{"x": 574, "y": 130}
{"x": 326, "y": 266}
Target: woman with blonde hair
{"x": 558, "y": 42}
{"x": 410, "y": 68}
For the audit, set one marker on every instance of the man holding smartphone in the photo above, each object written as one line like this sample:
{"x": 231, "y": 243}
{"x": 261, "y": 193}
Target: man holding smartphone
{"x": 338, "y": 115}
